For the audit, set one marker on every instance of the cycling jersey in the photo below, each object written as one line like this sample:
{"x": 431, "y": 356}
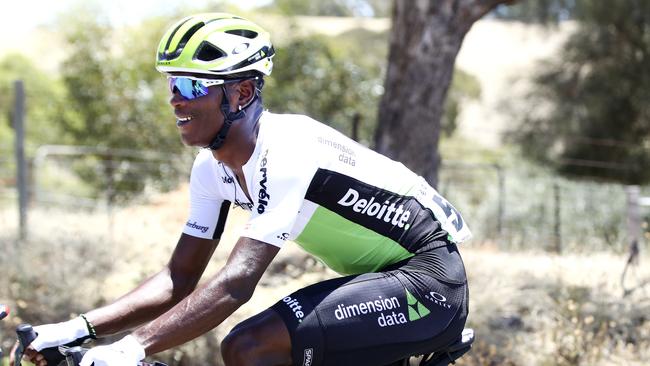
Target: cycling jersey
{"x": 354, "y": 209}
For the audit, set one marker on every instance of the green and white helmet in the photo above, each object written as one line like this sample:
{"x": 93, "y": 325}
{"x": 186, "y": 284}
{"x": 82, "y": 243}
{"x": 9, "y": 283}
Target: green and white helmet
{"x": 217, "y": 44}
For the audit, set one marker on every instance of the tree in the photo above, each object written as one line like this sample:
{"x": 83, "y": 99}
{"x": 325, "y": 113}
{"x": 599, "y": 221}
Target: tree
{"x": 44, "y": 95}
{"x": 117, "y": 100}
{"x": 424, "y": 43}
{"x": 588, "y": 113}
{"x": 308, "y": 66}
{"x": 539, "y": 11}
{"x": 463, "y": 87}
{"x": 351, "y": 67}
{"x": 336, "y": 8}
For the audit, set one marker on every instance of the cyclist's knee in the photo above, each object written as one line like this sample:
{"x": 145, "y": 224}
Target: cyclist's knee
{"x": 242, "y": 347}
{"x": 257, "y": 341}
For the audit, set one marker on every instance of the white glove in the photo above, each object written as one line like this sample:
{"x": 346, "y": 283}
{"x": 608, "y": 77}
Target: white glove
{"x": 52, "y": 335}
{"x": 125, "y": 352}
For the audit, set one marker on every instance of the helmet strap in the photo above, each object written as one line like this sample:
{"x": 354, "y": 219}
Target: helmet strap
{"x": 228, "y": 119}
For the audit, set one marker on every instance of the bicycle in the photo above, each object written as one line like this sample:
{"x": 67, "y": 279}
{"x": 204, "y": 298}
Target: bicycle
{"x": 4, "y": 311}
{"x": 446, "y": 356}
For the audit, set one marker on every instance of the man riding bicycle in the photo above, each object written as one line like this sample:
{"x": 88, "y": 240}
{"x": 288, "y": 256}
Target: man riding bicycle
{"x": 393, "y": 237}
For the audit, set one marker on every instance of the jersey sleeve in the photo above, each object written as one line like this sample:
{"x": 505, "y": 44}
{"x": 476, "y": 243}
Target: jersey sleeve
{"x": 280, "y": 182}
{"x": 208, "y": 208}
{"x": 449, "y": 218}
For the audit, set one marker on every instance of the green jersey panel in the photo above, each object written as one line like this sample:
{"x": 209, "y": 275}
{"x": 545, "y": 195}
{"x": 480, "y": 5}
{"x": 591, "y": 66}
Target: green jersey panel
{"x": 347, "y": 247}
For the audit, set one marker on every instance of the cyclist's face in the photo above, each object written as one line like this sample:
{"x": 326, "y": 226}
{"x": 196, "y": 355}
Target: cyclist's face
{"x": 199, "y": 119}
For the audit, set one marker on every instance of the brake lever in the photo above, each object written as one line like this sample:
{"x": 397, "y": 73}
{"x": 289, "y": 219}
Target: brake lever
{"x": 73, "y": 355}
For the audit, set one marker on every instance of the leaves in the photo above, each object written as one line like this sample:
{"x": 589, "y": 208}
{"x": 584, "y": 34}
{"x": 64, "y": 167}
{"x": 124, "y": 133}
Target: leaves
{"x": 114, "y": 98}
{"x": 590, "y": 105}
{"x": 43, "y": 96}
{"x": 317, "y": 76}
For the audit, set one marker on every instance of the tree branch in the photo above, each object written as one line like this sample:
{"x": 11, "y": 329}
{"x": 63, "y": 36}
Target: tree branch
{"x": 481, "y": 7}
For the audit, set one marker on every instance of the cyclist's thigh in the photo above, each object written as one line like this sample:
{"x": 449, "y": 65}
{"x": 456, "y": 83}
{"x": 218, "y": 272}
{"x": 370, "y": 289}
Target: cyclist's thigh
{"x": 372, "y": 319}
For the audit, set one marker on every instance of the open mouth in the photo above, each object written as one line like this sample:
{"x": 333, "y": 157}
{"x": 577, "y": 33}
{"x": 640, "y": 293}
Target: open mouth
{"x": 183, "y": 121}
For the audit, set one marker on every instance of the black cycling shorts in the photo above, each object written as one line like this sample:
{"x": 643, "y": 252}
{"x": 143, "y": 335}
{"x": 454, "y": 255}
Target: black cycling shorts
{"x": 414, "y": 307}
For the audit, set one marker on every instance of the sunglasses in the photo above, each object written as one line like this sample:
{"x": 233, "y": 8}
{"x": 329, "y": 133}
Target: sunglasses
{"x": 192, "y": 88}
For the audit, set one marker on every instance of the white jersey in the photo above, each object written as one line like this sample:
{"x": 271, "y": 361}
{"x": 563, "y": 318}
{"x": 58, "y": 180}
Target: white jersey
{"x": 356, "y": 210}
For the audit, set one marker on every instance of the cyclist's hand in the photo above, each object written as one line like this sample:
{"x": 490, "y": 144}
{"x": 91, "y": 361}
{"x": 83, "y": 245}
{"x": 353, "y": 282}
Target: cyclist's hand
{"x": 125, "y": 352}
{"x": 30, "y": 355}
{"x": 53, "y": 335}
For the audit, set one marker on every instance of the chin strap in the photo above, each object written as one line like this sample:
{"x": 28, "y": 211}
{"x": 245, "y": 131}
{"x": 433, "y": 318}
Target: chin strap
{"x": 228, "y": 118}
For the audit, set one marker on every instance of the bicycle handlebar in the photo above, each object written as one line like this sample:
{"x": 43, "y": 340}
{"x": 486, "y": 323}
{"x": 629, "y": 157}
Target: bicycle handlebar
{"x": 26, "y": 335}
{"x": 55, "y": 356}
{"x": 4, "y": 311}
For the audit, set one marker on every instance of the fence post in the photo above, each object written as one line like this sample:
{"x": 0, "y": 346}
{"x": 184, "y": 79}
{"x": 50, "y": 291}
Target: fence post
{"x": 356, "y": 123}
{"x": 502, "y": 198}
{"x": 21, "y": 164}
{"x": 633, "y": 214}
{"x": 557, "y": 227}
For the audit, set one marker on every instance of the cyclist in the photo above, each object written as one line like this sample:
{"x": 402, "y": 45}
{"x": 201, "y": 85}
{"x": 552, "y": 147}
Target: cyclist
{"x": 391, "y": 235}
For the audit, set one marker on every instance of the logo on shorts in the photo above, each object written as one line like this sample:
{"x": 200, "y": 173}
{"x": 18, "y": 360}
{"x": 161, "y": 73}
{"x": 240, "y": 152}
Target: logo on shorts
{"x": 416, "y": 309}
{"x": 438, "y": 299}
{"x": 309, "y": 356}
{"x": 390, "y": 311}
{"x": 294, "y": 305}
{"x": 387, "y": 308}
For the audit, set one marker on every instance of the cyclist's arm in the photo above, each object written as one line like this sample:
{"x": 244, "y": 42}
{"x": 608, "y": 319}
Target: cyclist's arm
{"x": 212, "y": 302}
{"x": 158, "y": 293}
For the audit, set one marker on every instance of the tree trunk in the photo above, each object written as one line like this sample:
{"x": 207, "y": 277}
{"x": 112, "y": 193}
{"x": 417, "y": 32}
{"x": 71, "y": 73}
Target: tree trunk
{"x": 426, "y": 37}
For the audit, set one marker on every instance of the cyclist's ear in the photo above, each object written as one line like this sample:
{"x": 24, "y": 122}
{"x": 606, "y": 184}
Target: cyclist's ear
{"x": 246, "y": 92}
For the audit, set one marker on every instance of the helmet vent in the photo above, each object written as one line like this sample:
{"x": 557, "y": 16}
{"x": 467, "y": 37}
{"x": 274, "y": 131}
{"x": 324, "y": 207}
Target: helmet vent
{"x": 208, "y": 52}
{"x": 169, "y": 40}
{"x": 167, "y": 55}
{"x": 243, "y": 33}
{"x": 189, "y": 34}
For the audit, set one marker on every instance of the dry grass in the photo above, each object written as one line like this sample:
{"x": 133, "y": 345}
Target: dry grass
{"x": 540, "y": 309}
{"x": 527, "y": 308}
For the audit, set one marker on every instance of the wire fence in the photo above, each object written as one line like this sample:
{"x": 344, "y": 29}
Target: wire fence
{"x": 528, "y": 209}
{"x": 75, "y": 184}
{"x": 93, "y": 177}
{"x": 506, "y": 207}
